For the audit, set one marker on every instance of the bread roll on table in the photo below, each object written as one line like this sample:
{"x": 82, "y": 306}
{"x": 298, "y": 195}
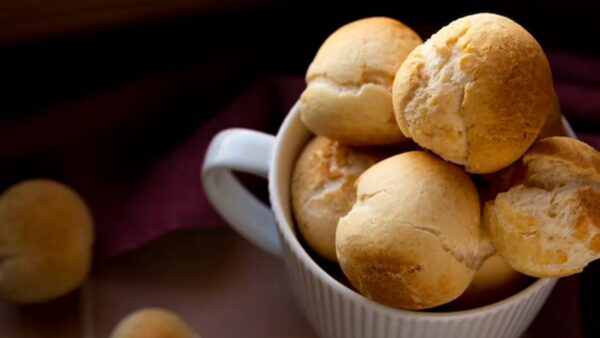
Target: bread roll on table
{"x": 549, "y": 224}
{"x": 348, "y": 94}
{"x": 411, "y": 239}
{"x": 153, "y": 323}
{"x": 46, "y": 237}
{"x": 323, "y": 190}
{"x": 476, "y": 93}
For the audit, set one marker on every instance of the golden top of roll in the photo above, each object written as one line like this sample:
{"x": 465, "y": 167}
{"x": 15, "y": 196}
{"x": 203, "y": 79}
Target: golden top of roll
{"x": 549, "y": 224}
{"x": 556, "y": 161}
{"x": 364, "y": 51}
{"x": 153, "y": 323}
{"x": 476, "y": 93}
{"x": 323, "y": 190}
{"x": 348, "y": 94}
{"x": 411, "y": 238}
{"x": 46, "y": 236}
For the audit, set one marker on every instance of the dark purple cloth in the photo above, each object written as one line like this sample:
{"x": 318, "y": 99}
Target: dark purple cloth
{"x": 170, "y": 195}
{"x": 166, "y": 194}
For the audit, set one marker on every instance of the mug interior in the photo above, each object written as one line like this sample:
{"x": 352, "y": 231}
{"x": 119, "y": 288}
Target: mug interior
{"x": 291, "y": 138}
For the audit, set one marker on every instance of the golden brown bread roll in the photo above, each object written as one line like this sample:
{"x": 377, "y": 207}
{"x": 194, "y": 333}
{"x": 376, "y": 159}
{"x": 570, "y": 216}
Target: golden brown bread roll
{"x": 411, "y": 239}
{"x": 549, "y": 224}
{"x": 476, "y": 93}
{"x": 348, "y": 94}
{"x": 494, "y": 280}
{"x": 46, "y": 236}
{"x": 323, "y": 190}
{"x": 153, "y": 323}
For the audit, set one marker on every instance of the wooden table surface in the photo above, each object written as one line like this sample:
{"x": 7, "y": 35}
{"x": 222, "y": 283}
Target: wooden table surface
{"x": 220, "y": 284}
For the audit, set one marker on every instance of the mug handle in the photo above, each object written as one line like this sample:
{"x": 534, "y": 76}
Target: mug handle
{"x": 246, "y": 151}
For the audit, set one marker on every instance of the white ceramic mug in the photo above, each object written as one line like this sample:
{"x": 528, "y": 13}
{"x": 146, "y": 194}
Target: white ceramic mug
{"x": 333, "y": 309}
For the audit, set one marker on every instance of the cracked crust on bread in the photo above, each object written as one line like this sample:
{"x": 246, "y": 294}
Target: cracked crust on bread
{"x": 548, "y": 225}
{"x": 477, "y": 92}
{"x": 348, "y": 94}
{"x": 323, "y": 190}
{"x": 411, "y": 238}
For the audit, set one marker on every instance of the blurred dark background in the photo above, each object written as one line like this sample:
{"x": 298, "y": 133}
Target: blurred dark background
{"x": 89, "y": 82}
{"x": 162, "y": 67}
{"x": 53, "y": 52}
{"x": 151, "y": 71}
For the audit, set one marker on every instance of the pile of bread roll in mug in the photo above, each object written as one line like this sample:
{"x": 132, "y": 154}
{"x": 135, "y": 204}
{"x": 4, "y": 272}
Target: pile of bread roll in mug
{"x": 438, "y": 174}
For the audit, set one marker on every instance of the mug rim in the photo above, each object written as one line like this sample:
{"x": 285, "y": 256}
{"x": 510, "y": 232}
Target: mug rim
{"x": 285, "y": 230}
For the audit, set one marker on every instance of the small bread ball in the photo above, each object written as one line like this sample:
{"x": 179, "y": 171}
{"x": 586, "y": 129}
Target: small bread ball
{"x": 323, "y": 190}
{"x": 153, "y": 323}
{"x": 46, "y": 236}
{"x": 348, "y": 93}
{"x": 548, "y": 225}
{"x": 411, "y": 238}
{"x": 494, "y": 280}
{"x": 477, "y": 93}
